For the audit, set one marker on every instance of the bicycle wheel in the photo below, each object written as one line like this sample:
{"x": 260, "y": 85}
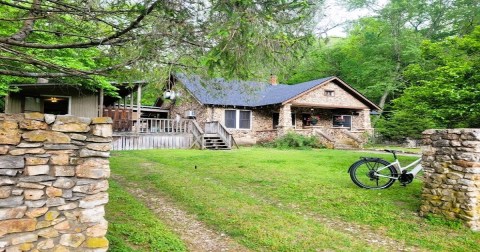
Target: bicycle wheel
{"x": 368, "y": 173}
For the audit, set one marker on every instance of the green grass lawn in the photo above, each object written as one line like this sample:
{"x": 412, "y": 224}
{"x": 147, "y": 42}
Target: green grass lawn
{"x": 133, "y": 227}
{"x": 271, "y": 200}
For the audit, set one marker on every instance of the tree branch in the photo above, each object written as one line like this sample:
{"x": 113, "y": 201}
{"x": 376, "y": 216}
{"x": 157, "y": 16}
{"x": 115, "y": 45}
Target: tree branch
{"x": 32, "y": 74}
{"x": 23, "y": 58}
{"x": 28, "y": 23}
{"x": 92, "y": 43}
{"x": 32, "y": 61}
{"x": 82, "y": 12}
{"x": 15, "y": 5}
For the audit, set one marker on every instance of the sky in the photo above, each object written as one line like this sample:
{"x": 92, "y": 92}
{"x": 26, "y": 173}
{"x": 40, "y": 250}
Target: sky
{"x": 336, "y": 16}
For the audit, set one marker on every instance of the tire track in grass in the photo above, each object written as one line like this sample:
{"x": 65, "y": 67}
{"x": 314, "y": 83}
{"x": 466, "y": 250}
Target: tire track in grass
{"x": 196, "y": 235}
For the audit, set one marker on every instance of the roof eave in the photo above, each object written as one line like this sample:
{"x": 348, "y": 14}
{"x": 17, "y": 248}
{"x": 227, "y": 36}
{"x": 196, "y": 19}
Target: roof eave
{"x": 189, "y": 91}
{"x": 371, "y": 104}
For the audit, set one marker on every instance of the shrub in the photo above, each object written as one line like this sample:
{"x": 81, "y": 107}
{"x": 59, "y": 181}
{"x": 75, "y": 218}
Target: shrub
{"x": 294, "y": 141}
{"x": 402, "y": 125}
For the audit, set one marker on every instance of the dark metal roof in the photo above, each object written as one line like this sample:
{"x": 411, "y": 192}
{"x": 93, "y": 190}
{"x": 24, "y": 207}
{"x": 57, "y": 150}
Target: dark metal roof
{"x": 243, "y": 93}
{"x": 123, "y": 88}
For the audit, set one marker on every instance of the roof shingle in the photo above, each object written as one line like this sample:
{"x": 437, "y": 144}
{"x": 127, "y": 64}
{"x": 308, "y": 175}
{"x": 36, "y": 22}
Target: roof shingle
{"x": 243, "y": 93}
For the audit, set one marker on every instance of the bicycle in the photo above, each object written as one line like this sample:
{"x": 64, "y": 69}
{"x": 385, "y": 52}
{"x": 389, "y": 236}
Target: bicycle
{"x": 377, "y": 173}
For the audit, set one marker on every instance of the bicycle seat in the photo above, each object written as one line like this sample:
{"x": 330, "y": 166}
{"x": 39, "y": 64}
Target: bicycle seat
{"x": 394, "y": 152}
{"x": 391, "y": 151}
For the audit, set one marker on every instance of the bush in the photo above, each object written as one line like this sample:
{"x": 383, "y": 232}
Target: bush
{"x": 294, "y": 141}
{"x": 402, "y": 125}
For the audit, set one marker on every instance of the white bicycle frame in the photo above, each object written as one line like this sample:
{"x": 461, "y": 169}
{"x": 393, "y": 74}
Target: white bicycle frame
{"x": 398, "y": 167}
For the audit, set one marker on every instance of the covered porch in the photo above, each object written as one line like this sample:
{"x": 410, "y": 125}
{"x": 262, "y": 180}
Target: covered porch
{"x": 335, "y": 126}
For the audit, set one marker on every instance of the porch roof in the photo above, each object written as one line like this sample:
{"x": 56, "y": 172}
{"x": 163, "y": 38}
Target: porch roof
{"x": 223, "y": 92}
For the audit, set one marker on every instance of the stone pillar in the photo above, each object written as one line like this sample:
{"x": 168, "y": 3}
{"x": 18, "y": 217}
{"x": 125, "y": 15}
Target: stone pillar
{"x": 53, "y": 182}
{"x": 366, "y": 119}
{"x": 451, "y": 160}
{"x": 285, "y": 119}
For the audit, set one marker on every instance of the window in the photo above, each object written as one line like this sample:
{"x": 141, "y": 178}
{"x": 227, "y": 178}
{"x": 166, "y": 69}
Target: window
{"x": 230, "y": 118}
{"x": 244, "y": 120}
{"x": 342, "y": 121}
{"x": 57, "y": 105}
{"x": 329, "y": 93}
{"x": 32, "y": 104}
{"x": 238, "y": 119}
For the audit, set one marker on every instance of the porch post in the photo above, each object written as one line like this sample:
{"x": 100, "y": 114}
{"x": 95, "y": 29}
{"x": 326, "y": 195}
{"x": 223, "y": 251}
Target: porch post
{"x": 139, "y": 107}
{"x": 285, "y": 119}
{"x": 131, "y": 100}
{"x": 7, "y": 98}
{"x": 100, "y": 106}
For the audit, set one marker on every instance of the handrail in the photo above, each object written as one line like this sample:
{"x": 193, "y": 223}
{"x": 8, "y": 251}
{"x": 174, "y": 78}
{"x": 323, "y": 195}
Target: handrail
{"x": 215, "y": 127}
{"x": 197, "y": 133}
{"x": 321, "y": 133}
{"x": 157, "y": 125}
{"x": 352, "y": 136}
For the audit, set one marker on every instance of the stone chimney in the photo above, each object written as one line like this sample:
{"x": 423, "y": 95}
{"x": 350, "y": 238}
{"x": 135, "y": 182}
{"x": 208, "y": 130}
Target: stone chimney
{"x": 273, "y": 80}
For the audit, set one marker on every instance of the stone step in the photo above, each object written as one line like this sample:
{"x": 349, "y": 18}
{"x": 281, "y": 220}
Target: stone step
{"x": 341, "y": 146}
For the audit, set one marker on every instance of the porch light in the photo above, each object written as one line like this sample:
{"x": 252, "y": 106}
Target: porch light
{"x": 166, "y": 94}
{"x": 169, "y": 94}
{"x": 54, "y": 99}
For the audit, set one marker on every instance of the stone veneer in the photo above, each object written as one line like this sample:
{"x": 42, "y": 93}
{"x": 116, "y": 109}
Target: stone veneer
{"x": 53, "y": 182}
{"x": 451, "y": 160}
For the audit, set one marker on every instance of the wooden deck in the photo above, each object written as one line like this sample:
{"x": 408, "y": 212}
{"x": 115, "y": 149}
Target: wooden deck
{"x": 153, "y": 133}
{"x": 145, "y": 141}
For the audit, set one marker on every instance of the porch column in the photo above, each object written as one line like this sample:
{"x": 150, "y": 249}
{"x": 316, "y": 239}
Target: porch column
{"x": 285, "y": 119}
{"x": 139, "y": 107}
{"x": 366, "y": 119}
{"x": 100, "y": 106}
{"x": 131, "y": 100}
{"x": 7, "y": 103}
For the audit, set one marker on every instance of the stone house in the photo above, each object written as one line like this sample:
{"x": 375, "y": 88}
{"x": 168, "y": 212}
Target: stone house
{"x": 256, "y": 112}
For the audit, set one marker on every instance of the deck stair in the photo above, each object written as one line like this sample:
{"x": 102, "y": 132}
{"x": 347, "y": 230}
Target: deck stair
{"x": 217, "y": 137}
{"x": 215, "y": 142}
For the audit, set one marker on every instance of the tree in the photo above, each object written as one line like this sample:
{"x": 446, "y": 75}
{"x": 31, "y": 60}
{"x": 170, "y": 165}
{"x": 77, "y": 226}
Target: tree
{"x": 370, "y": 58}
{"x": 444, "y": 88}
{"x": 92, "y": 41}
{"x": 434, "y": 19}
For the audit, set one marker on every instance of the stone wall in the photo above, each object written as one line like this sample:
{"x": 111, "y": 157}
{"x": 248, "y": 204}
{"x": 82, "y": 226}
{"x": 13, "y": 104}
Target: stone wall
{"x": 53, "y": 182}
{"x": 185, "y": 103}
{"x": 451, "y": 160}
